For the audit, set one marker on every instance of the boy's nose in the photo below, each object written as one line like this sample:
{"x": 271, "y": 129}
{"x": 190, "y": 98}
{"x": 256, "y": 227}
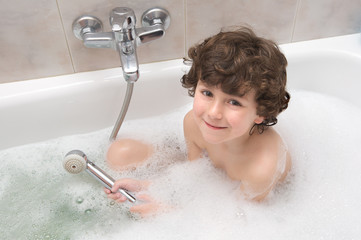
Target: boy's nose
{"x": 215, "y": 111}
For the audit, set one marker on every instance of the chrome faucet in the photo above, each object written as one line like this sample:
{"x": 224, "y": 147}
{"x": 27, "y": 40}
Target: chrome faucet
{"x": 125, "y": 37}
{"x": 122, "y": 21}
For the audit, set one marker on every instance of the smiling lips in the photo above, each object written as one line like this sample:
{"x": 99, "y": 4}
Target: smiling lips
{"x": 214, "y": 127}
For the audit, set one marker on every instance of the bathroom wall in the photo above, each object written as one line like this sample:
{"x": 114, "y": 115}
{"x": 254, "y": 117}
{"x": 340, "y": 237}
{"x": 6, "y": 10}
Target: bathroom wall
{"x": 36, "y": 38}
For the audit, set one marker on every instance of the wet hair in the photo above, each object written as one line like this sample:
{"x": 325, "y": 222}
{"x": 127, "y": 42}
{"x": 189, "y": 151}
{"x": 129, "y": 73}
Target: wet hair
{"x": 239, "y": 61}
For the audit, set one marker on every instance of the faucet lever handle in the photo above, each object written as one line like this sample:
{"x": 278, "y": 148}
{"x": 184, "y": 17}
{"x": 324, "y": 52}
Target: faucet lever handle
{"x": 148, "y": 34}
{"x": 122, "y": 18}
{"x": 154, "y": 23}
{"x": 99, "y": 40}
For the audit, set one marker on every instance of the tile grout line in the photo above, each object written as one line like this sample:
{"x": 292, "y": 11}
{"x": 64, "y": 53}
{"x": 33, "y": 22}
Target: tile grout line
{"x": 295, "y": 19}
{"x": 65, "y": 37}
{"x": 185, "y": 28}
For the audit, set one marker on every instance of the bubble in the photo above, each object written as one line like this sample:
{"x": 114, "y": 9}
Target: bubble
{"x": 88, "y": 211}
{"x": 203, "y": 201}
{"x": 79, "y": 200}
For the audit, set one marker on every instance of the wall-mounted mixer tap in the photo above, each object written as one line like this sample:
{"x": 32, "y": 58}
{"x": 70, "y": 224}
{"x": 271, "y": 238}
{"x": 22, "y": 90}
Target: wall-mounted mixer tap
{"x": 125, "y": 37}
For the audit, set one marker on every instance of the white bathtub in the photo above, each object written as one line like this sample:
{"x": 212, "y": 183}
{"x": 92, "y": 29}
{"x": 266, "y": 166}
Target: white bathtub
{"x": 84, "y": 102}
{"x": 38, "y": 110}
{"x": 46, "y": 108}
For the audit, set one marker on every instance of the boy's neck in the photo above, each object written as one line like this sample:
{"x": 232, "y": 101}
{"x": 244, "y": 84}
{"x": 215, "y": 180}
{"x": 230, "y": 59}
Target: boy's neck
{"x": 239, "y": 144}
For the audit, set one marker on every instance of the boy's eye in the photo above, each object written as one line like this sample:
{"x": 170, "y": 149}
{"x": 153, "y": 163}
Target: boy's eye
{"x": 207, "y": 93}
{"x": 235, "y": 103}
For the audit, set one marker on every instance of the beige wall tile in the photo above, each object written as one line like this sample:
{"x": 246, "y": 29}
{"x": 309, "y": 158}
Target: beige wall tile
{"x": 326, "y": 18}
{"x": 32, "y": 42}
{"x": 271, "y": 19}
{"x": 84, "y": 59}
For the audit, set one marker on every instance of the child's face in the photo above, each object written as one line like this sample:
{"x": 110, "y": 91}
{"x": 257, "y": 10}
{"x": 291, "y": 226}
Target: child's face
{"x": 222, "y": 117}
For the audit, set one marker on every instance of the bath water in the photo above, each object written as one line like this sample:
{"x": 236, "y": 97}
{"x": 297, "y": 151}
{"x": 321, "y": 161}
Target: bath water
{"x": 321, "y": 198}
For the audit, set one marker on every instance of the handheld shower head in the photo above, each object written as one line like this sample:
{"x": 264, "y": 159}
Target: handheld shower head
{"x": 76, "y": 161}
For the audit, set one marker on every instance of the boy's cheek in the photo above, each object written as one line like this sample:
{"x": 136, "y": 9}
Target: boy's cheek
{"x": 198, "y": 108}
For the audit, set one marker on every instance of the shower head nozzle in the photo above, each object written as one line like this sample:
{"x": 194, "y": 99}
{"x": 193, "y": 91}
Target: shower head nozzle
{"x": 75, "y": 161}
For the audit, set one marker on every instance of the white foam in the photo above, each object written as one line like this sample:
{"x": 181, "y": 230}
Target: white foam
{"x": 321, "y": 199}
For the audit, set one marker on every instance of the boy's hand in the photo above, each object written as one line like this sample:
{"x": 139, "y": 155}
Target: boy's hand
{"x": 145, "y": 204}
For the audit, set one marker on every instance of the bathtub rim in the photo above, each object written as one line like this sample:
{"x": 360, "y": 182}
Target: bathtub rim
{"x": 12, "y": 94}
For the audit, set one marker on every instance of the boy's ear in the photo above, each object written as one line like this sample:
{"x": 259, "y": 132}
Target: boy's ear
{"x": 259, "y": 120}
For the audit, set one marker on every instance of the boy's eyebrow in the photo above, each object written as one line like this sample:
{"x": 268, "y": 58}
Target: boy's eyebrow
{"x": 240, "y": 94}
{"x": 204, "y": 83}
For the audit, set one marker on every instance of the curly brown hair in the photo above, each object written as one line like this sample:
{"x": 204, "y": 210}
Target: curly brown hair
{"x": 239, "y": 61}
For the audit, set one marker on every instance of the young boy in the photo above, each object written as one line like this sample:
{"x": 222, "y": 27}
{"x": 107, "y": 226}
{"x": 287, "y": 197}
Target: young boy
{"x": 238, "y": 83}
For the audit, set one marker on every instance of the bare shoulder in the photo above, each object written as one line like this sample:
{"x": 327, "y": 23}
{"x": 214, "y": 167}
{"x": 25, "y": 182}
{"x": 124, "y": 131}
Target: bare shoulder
{"x": 192, "y": 136}
{"x": 270, "y": 164}
{"x": 188, "y": 121}
{"x": 191, "y": 129}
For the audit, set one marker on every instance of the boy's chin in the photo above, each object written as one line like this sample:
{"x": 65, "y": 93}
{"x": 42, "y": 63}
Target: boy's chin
{"x": 213, "y": 139}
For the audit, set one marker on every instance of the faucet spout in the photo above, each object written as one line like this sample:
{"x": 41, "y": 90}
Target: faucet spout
{"x": 128, "y": 57}
{"x": 129, "y": 60}
{"x": 122, "y": 21}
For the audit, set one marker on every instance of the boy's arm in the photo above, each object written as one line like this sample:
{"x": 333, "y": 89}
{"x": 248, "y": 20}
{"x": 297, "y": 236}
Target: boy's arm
{"x": 261, "y": 179}
{"x": 256, "y": 190}
{"x": 191, "y": 133}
